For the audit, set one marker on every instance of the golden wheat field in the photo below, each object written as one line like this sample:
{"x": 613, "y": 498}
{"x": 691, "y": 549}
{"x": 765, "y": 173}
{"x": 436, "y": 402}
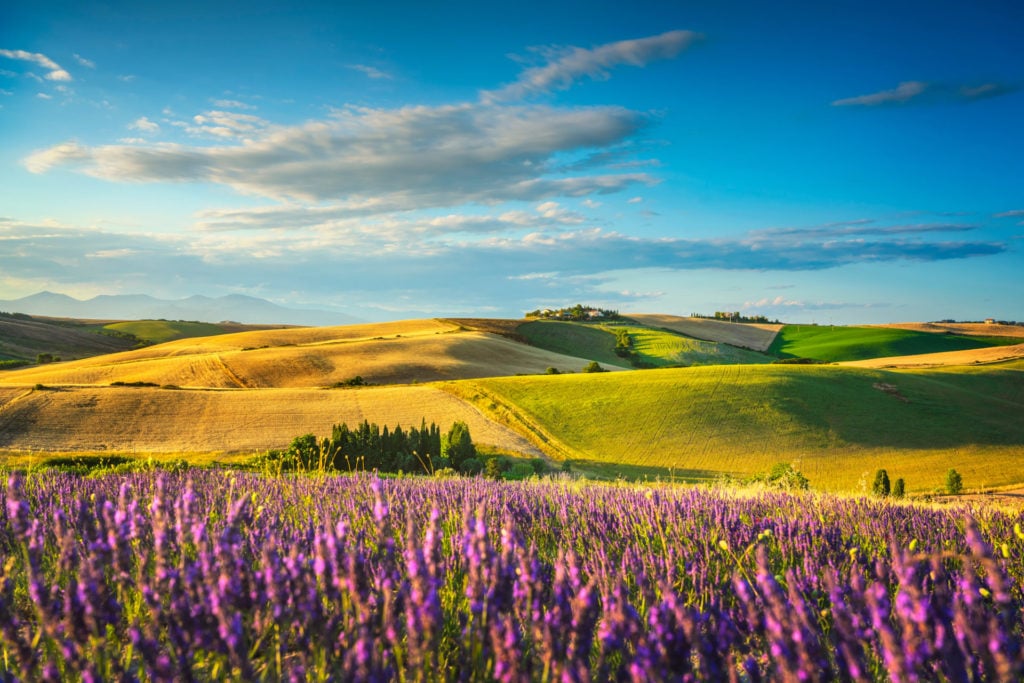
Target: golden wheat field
{"x": 756, "y": 336}
{"x": 978, "y": 329}
{"x": 991, "y": 354}
{"x": 388, "y": 353}
{"x": 148, "y": 419}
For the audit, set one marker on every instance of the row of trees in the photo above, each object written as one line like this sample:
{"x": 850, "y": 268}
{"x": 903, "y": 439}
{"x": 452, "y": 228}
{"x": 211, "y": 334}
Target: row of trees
{"x": 578, "y": 312}
{"x": 881, "y": 486}
{"x": 371, "y": 447}
{"x": 735, "y": 317}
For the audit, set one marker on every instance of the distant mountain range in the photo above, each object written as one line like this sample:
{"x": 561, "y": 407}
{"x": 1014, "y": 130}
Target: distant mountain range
{"x": 234, "y": 307}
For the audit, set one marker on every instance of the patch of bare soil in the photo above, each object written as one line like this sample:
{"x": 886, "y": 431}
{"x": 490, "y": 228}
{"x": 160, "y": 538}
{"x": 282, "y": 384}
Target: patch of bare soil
{"x": 890, "y": 389}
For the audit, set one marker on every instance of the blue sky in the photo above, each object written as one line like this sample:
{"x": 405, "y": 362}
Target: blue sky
{"x": 850, "y": 162}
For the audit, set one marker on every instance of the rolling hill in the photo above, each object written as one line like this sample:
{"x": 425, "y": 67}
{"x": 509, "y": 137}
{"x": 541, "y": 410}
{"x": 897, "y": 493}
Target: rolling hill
{"x": 23, "y": 337}
{"x": 386, "y": 353}
{"x": 651, "y": 346}
{"x": 258, "y": 389}
{"x": 754, "y": 336}
{"x": 839, "y": 423}
{"x": 197, "y": 423}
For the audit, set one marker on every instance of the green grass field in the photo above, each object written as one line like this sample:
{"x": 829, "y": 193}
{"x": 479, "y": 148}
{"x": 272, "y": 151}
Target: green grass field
{"x": 159, "y": 331}
{"x": 839, "y": 423}
{"x": 662, "y": 348}
{"x": 653, "y": 347}
{"x": 573, "y": 339}
{"x": 834, "y": 344}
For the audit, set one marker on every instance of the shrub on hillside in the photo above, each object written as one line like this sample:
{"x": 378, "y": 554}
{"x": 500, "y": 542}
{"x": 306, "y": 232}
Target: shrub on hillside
{"x": 785, "y": 476}
{"x": 954, "y": 482}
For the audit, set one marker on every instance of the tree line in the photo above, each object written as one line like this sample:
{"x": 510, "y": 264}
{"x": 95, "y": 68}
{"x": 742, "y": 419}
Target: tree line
{"x": 369, "y": 446}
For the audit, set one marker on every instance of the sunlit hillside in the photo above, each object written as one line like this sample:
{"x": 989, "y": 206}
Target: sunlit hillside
{"x": 838, "y": 422}
{"x": 388, "y": 353}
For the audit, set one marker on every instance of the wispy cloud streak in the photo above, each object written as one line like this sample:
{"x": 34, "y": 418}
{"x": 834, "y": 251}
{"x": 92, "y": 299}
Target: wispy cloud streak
{"x": 54, "y": 70}
{"x": 568, "y": 65}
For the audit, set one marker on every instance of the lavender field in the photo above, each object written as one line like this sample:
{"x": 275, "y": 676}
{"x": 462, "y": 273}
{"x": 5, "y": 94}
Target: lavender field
{"x": 215, "y": 575}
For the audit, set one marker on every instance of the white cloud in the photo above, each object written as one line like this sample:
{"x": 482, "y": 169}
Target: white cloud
{"x": 635, "y": 200}
{"x": 127, "y": 78}
{"x": 54, "y": 71}
{"x": 232, "y": 104}
{"x": 370, "y": 71}
{"x": 413, "y": 156}
{"x": 568, "y": 65}
{"x": 904, "y": 92}
{"x": 223, "y": 124}
{"x": 44, "y": 96}
{"x": 112, "y": 253}
{"x": 145, "y": 125}
{"x": 88, "y": 63}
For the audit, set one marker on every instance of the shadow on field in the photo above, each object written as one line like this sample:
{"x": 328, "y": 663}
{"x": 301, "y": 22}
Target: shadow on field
{"x": 905, "y": 410}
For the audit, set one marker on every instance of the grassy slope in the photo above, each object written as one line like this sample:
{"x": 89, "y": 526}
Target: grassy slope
{"x": 573, "y": 339}
{"x": 657, "y": 347}
{"x": 22, "y": 338}
{"x": 159, "y": 331}
{"x": 742, "y": 419}
{"x": 663, "y": 348}
{"x": 833, "y": 344}
{"x": 756, "y": 336}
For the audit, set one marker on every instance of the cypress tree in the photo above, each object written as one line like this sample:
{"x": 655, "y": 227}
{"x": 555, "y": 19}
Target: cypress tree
{"x": 881, "y": 485}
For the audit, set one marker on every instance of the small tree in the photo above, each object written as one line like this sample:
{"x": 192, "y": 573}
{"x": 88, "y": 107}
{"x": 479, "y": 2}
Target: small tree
{"x": 881, "y": 485}
{"x": 457, "y": 446}
{"x": 954, "y": 482}
{"x": 594, "y": 366}
{"x": 898, "y": 488}
{"x": 492, "y": 469}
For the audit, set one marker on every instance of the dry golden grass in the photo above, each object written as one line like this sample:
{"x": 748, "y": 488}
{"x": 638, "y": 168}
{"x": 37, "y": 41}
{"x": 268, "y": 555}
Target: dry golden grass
{"x": 389, "y": 353}
{"x": 754, "y": 336}
{"x": 990, "y": 354}
{"x": 151, "y": 420}
{"x": 976, "y": 329}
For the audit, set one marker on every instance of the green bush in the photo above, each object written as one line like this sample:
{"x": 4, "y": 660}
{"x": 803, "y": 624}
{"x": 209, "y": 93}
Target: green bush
{"x": 783, "y": 475}
{"x": 471, "y": 466}
{"x": 898, "y": 488}
{"x": 520, "y": 471}
{"x": 492, "y": 469}
{"x": 954, "y": 482}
